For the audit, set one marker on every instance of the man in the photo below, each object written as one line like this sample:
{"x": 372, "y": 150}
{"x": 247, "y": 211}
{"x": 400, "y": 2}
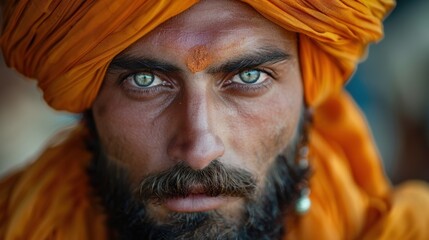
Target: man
{"x": 210, "y": 120}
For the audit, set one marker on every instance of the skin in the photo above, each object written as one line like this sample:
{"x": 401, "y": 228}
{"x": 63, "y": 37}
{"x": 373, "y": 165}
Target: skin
{"x": 198, "y": 59}
{"x": 196, "y": 114}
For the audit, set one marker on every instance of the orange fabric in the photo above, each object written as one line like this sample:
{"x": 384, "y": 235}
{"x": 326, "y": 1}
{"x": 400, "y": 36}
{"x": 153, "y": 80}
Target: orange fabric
{"x": 51, "y": 198}
{"x": 67, "y": 46}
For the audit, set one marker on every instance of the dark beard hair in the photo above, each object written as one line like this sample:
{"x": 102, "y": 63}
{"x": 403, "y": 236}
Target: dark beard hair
{"x": 214, "y": 180}
{"x": 263, "y": 213}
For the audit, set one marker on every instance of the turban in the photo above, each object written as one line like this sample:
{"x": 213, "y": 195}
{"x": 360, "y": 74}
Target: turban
{"x": 68, "y": 45}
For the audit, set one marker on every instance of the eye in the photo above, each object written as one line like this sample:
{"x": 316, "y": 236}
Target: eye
{"x": 252, "y": 76}
{"x": 143, "y": 80}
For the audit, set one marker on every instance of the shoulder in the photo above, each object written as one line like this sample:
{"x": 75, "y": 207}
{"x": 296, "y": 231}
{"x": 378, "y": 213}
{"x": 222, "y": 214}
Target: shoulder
{"x": 52, "y": 196}
{"x": 7, "y": 186}
{"x": 408, "y": 215}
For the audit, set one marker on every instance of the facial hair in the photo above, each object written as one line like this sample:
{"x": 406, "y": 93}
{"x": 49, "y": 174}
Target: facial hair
{"x": 263, "y": 215}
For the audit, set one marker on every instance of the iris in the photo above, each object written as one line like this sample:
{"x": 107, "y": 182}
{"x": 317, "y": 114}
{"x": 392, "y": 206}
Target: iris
{"x": 250, "y": 76}
{"x": 143, "y": 79}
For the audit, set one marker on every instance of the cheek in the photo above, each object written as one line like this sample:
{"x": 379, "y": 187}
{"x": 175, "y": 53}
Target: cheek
{"x": 263, "y": 128}
{"x": 129, "y": 134}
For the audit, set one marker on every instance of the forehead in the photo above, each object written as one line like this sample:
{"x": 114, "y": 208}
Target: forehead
{"x": 217, "y": 25}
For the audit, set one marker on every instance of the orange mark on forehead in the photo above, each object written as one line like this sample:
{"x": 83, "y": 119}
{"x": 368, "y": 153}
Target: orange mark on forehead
{"x": 198, "y": 59}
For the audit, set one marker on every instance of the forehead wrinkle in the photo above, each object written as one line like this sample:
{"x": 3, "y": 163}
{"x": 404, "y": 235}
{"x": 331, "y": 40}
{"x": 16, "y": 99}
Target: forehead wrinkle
{"x": 190, "y": 34}
{"x": 186, "y": 40}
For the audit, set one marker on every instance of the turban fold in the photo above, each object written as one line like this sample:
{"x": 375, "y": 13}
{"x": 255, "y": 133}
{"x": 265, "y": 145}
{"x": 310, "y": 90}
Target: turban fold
{"x": 67, "y": 46}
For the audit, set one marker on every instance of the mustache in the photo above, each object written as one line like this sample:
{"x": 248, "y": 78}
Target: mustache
{"x": 181, "y": 181}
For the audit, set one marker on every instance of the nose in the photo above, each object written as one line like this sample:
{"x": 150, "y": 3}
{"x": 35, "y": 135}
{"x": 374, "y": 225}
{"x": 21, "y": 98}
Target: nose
{"x": 195, "y": 141}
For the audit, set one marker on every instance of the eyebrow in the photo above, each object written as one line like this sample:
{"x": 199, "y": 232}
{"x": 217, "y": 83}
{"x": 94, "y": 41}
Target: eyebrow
{"x": 251, "y": 60}
{"x": 245, "y": 61}
{"x": 137, "y": 63}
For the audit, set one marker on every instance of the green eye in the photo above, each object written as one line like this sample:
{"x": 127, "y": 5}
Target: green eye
{"x": 250, "y": 76}
{"x": 143, "y": 79}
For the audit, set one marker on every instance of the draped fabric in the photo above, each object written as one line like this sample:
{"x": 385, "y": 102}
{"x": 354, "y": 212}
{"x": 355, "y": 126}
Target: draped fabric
{"x": 67, "y": 45}
{"x": 50, "y": 200}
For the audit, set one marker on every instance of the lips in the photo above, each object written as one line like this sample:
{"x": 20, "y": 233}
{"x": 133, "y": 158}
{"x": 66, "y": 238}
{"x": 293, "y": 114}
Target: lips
{"x": 195, "y": 203}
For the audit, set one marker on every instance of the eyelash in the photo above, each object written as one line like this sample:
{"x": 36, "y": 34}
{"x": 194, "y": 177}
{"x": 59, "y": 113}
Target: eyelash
{"x": 250, "y": 87}
{"x": 229, "y": 86}
{"x": 150, "y": 91}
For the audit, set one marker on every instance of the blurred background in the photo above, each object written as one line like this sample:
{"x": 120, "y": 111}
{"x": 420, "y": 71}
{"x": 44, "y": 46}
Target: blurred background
{"x": 391, "y": 86}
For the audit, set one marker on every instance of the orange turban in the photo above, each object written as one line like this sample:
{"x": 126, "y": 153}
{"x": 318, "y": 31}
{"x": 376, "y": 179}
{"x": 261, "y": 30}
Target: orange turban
{"x": 67, "y": 46}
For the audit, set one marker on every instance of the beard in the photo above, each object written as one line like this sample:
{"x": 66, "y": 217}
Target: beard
{"x": 264, "y": 210}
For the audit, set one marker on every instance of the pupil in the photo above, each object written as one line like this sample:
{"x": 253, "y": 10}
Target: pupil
{"x": 143, "y": 79}
{"x": 250, "y": 76}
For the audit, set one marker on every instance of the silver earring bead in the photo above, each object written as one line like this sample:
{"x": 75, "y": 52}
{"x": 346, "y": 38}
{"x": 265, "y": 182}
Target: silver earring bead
{"x": 303, "y": 203}
{"x": 303, "y": 157}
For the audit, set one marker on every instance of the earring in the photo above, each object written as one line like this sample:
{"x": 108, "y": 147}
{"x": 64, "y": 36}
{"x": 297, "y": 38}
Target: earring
{"x": 303, "y": 203}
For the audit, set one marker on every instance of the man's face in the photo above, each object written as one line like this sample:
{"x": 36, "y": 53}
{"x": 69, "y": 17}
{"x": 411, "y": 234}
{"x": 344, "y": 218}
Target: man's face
{"x": 218, "y": 82}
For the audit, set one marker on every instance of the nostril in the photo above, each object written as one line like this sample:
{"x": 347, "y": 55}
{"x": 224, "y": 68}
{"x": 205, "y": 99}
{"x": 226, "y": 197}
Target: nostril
{"x": 196, "y": 150}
